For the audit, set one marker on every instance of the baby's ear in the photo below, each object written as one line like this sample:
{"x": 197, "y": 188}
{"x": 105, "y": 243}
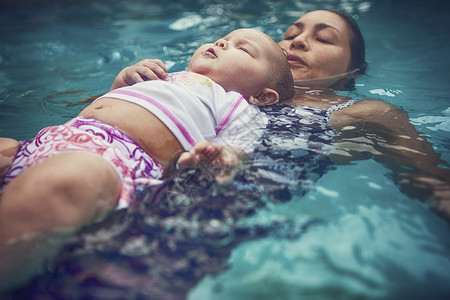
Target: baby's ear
{"x": 266, "y": 97}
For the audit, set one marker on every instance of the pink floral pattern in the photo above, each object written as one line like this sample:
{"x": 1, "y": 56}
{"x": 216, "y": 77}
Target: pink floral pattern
{"x": 134, "y": 166}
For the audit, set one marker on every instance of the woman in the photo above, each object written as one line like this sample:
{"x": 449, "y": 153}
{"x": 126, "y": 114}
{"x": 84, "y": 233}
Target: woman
{"x": 325, "y": 51}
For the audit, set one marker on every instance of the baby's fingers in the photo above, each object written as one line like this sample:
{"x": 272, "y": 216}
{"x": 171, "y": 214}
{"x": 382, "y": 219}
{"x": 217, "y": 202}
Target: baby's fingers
{"x": 187, "y": 159}
{"x": 153, "y": 69}
{"x": 136, "y": 77}
{"x": 203, "y": 152}
{"x": 211, "y": 154}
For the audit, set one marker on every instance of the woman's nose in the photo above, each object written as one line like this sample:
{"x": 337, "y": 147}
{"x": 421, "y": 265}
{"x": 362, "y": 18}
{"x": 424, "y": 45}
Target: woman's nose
{"x": 299, "y": 42}
{"x": 221, "y": 43}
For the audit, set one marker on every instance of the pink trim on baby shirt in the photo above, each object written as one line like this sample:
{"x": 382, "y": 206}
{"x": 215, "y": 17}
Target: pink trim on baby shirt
{"x": 155, "y": 103}
{"x": 229, "y": 114}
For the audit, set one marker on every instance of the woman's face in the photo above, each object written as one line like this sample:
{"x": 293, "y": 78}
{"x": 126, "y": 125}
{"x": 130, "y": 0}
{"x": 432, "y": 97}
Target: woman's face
{"x": 318, "y": 46}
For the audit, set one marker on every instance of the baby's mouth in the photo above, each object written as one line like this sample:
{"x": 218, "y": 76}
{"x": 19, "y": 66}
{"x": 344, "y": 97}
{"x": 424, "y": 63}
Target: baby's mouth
{"x": 211, "y": 52}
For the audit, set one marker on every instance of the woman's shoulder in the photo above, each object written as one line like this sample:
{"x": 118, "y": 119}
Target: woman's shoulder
{"x": 368, "y": 107}
{"x": 362, "y": 111}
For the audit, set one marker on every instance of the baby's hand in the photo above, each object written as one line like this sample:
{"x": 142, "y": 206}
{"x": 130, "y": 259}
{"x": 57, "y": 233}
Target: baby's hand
{"x": 221, "y": 160}
{"x": 203, "y": 153}
{"x": 147, "y": 69}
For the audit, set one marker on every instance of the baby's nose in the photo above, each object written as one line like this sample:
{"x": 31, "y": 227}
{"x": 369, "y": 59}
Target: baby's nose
{"x": 221, "y": 43}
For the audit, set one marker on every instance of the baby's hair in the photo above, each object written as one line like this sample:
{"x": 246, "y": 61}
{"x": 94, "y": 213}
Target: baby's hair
{"x": 281, "y": 77}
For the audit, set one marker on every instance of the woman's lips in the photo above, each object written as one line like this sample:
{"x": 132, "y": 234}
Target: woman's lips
{"x": 294, "y": 59}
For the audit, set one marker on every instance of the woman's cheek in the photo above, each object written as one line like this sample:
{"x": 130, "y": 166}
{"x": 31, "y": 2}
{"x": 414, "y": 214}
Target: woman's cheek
{"x": 284, "y": 44}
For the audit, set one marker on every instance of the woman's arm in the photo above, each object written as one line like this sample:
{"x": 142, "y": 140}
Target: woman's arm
{"x": 382, "y": 131}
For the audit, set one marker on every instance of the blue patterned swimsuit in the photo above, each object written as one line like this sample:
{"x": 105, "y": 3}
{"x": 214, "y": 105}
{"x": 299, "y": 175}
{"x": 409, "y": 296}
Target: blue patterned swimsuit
{"x": 293, "y": 151}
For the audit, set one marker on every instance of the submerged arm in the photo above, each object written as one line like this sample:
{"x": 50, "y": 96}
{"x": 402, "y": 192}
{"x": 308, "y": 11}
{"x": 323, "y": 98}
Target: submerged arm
{"x": 376, "y": 129}
{"x": 221, "y": 160}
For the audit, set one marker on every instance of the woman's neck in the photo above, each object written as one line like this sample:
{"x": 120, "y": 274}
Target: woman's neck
{"x": 316, "y": 97}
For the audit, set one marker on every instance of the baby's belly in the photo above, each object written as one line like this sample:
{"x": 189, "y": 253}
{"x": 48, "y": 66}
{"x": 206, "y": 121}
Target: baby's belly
{"x": 139, "y": 124}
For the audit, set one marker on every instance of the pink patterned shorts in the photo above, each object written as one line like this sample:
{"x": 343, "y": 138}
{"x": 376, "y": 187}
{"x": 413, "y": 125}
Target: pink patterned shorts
{"x": 134, "y": 166}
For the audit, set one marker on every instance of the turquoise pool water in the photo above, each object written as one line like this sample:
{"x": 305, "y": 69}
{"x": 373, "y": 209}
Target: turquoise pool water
{"x": 353, "y": 235}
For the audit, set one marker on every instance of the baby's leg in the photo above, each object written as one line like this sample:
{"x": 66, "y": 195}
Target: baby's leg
{"x": 48, "y": 200}
{"x": 66, "y": 190}
{"x": 8, "y": 150}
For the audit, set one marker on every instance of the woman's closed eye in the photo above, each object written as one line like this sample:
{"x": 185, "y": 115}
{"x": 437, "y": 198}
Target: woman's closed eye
{"x": 324, "y": 41}
{"x": 326, "y": 37}
{"x": 289, "y": 37}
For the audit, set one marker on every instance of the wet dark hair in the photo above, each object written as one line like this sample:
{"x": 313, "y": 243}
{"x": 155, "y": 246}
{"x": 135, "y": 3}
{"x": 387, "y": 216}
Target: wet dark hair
{"x": 357, "y": 47}
{"x": 281, "y": 77}
{"x": 357, "y": 44}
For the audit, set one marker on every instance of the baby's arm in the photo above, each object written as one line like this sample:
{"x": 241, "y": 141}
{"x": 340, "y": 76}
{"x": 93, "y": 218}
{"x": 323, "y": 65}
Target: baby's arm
{"x": 147, "y": 69}
{"x": 8, "y": 150}
{"x": 221, "y": 159}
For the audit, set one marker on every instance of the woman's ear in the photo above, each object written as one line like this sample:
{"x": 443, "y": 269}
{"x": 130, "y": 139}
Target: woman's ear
{"x": 266, "y": 97}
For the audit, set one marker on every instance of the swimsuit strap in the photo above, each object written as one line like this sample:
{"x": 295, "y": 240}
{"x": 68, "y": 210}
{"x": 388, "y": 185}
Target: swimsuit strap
{"x": 340, "y": 106}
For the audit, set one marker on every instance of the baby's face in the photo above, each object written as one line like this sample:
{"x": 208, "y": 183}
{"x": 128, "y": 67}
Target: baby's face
{"x": 240, "y": 61}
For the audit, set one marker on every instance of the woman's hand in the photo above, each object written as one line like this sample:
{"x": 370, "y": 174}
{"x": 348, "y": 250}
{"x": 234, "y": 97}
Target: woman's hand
{"x": 147, "y": 69}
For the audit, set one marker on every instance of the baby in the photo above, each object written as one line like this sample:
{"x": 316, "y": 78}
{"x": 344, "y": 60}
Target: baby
{"x": 72, "y": 174}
